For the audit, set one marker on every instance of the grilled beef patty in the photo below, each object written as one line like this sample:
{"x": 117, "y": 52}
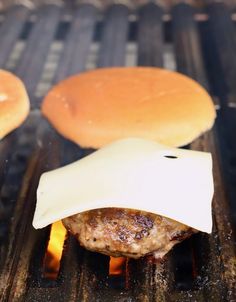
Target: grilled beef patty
{"x": 124, "y": 232}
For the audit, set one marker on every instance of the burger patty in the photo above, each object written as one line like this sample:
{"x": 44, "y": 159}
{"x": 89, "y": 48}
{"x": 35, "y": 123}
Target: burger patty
{"x": 125, "y": 232}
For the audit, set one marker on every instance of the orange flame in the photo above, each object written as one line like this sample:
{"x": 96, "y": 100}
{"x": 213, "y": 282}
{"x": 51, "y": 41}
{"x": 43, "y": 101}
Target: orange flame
{"x": 116, "y": 265}
{"x": 54, "y": 250}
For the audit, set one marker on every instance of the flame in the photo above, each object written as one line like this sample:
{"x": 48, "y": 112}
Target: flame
{"x": 54, "y": 250}
{"x": 116, "y": 265}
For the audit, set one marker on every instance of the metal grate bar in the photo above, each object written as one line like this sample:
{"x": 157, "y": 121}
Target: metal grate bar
{"x": 114, "y": 36}
{"x": 17, "y": 147}
{"x": 186, "y": 42}
{"x": 10, "y": 31}
{"x": 222, "y": 267}
{"x": 66, "y": 286}
{"x": 45, "y": 157}
{"x": 77, "y": 42}
{"x": 207, "y": 143}
{"x": 211, "y": 59}
{"x": 151, "y": 280}
{"x": 16, "y": 260}
{"x": 5, "y": 155}
{"x": 94, "y": 280}
{"x": 223, "y": 31}
{"x": 78, "y": 38}
{"x": 150, "y": 36}
{"x": 31, "y": 64}
{"x": 226, "y": 121}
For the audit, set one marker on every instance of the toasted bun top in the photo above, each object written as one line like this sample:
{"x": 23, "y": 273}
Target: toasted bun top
{"x": 14, "y": 102}
{"x": 100, "y": 106}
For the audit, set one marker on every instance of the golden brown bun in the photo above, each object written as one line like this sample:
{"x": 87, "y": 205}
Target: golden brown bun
{"x": 14, "y": 102}
{"x": 100, "y": 106}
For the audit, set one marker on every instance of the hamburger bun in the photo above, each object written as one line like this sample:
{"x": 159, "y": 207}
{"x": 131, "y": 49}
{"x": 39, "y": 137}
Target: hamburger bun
{"x": 14, "y": 102}
{"x": 97, "y": 107}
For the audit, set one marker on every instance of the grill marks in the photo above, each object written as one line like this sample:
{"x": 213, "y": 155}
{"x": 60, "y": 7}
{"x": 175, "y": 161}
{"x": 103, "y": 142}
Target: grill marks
{"x": 84, "y": 275}
{"x": 126, "y": 232}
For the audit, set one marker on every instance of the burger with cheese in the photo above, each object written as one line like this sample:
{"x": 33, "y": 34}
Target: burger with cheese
{"x": 137, "y": 194}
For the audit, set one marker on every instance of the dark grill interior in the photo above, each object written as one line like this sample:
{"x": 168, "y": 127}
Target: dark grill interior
{"x": 43, "y": 47}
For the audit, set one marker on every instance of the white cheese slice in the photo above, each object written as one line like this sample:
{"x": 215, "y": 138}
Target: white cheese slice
{"x": 131, "y": 173}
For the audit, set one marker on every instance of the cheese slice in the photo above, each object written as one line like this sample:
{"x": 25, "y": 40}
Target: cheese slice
{"x": 131, "y": 173}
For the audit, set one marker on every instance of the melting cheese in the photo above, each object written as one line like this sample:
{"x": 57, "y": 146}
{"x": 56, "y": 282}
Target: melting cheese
{"x": 131, "y": 173}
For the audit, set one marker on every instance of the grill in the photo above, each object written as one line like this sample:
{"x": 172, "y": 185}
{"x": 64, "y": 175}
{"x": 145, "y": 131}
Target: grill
{"x": 53, "y": 42}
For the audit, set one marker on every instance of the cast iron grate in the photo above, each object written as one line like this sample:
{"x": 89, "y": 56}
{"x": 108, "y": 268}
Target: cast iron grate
{"x": 46, "y": 45}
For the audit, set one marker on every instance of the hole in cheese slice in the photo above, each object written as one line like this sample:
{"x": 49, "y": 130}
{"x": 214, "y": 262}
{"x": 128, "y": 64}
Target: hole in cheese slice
{"x": 131, "y": 173}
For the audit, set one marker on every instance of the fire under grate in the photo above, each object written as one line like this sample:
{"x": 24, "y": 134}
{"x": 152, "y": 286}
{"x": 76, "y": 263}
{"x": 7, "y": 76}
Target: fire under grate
{"x": 47, "y": 45}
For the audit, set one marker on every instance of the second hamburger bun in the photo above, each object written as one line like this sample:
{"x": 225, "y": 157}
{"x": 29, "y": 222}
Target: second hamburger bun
{"x": 14, "y": 102}
{"x": 100, "y": 106}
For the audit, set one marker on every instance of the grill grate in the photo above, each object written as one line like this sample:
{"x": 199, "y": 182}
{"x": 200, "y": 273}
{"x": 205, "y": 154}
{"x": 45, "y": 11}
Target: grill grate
{"x": 56, "y": 42}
